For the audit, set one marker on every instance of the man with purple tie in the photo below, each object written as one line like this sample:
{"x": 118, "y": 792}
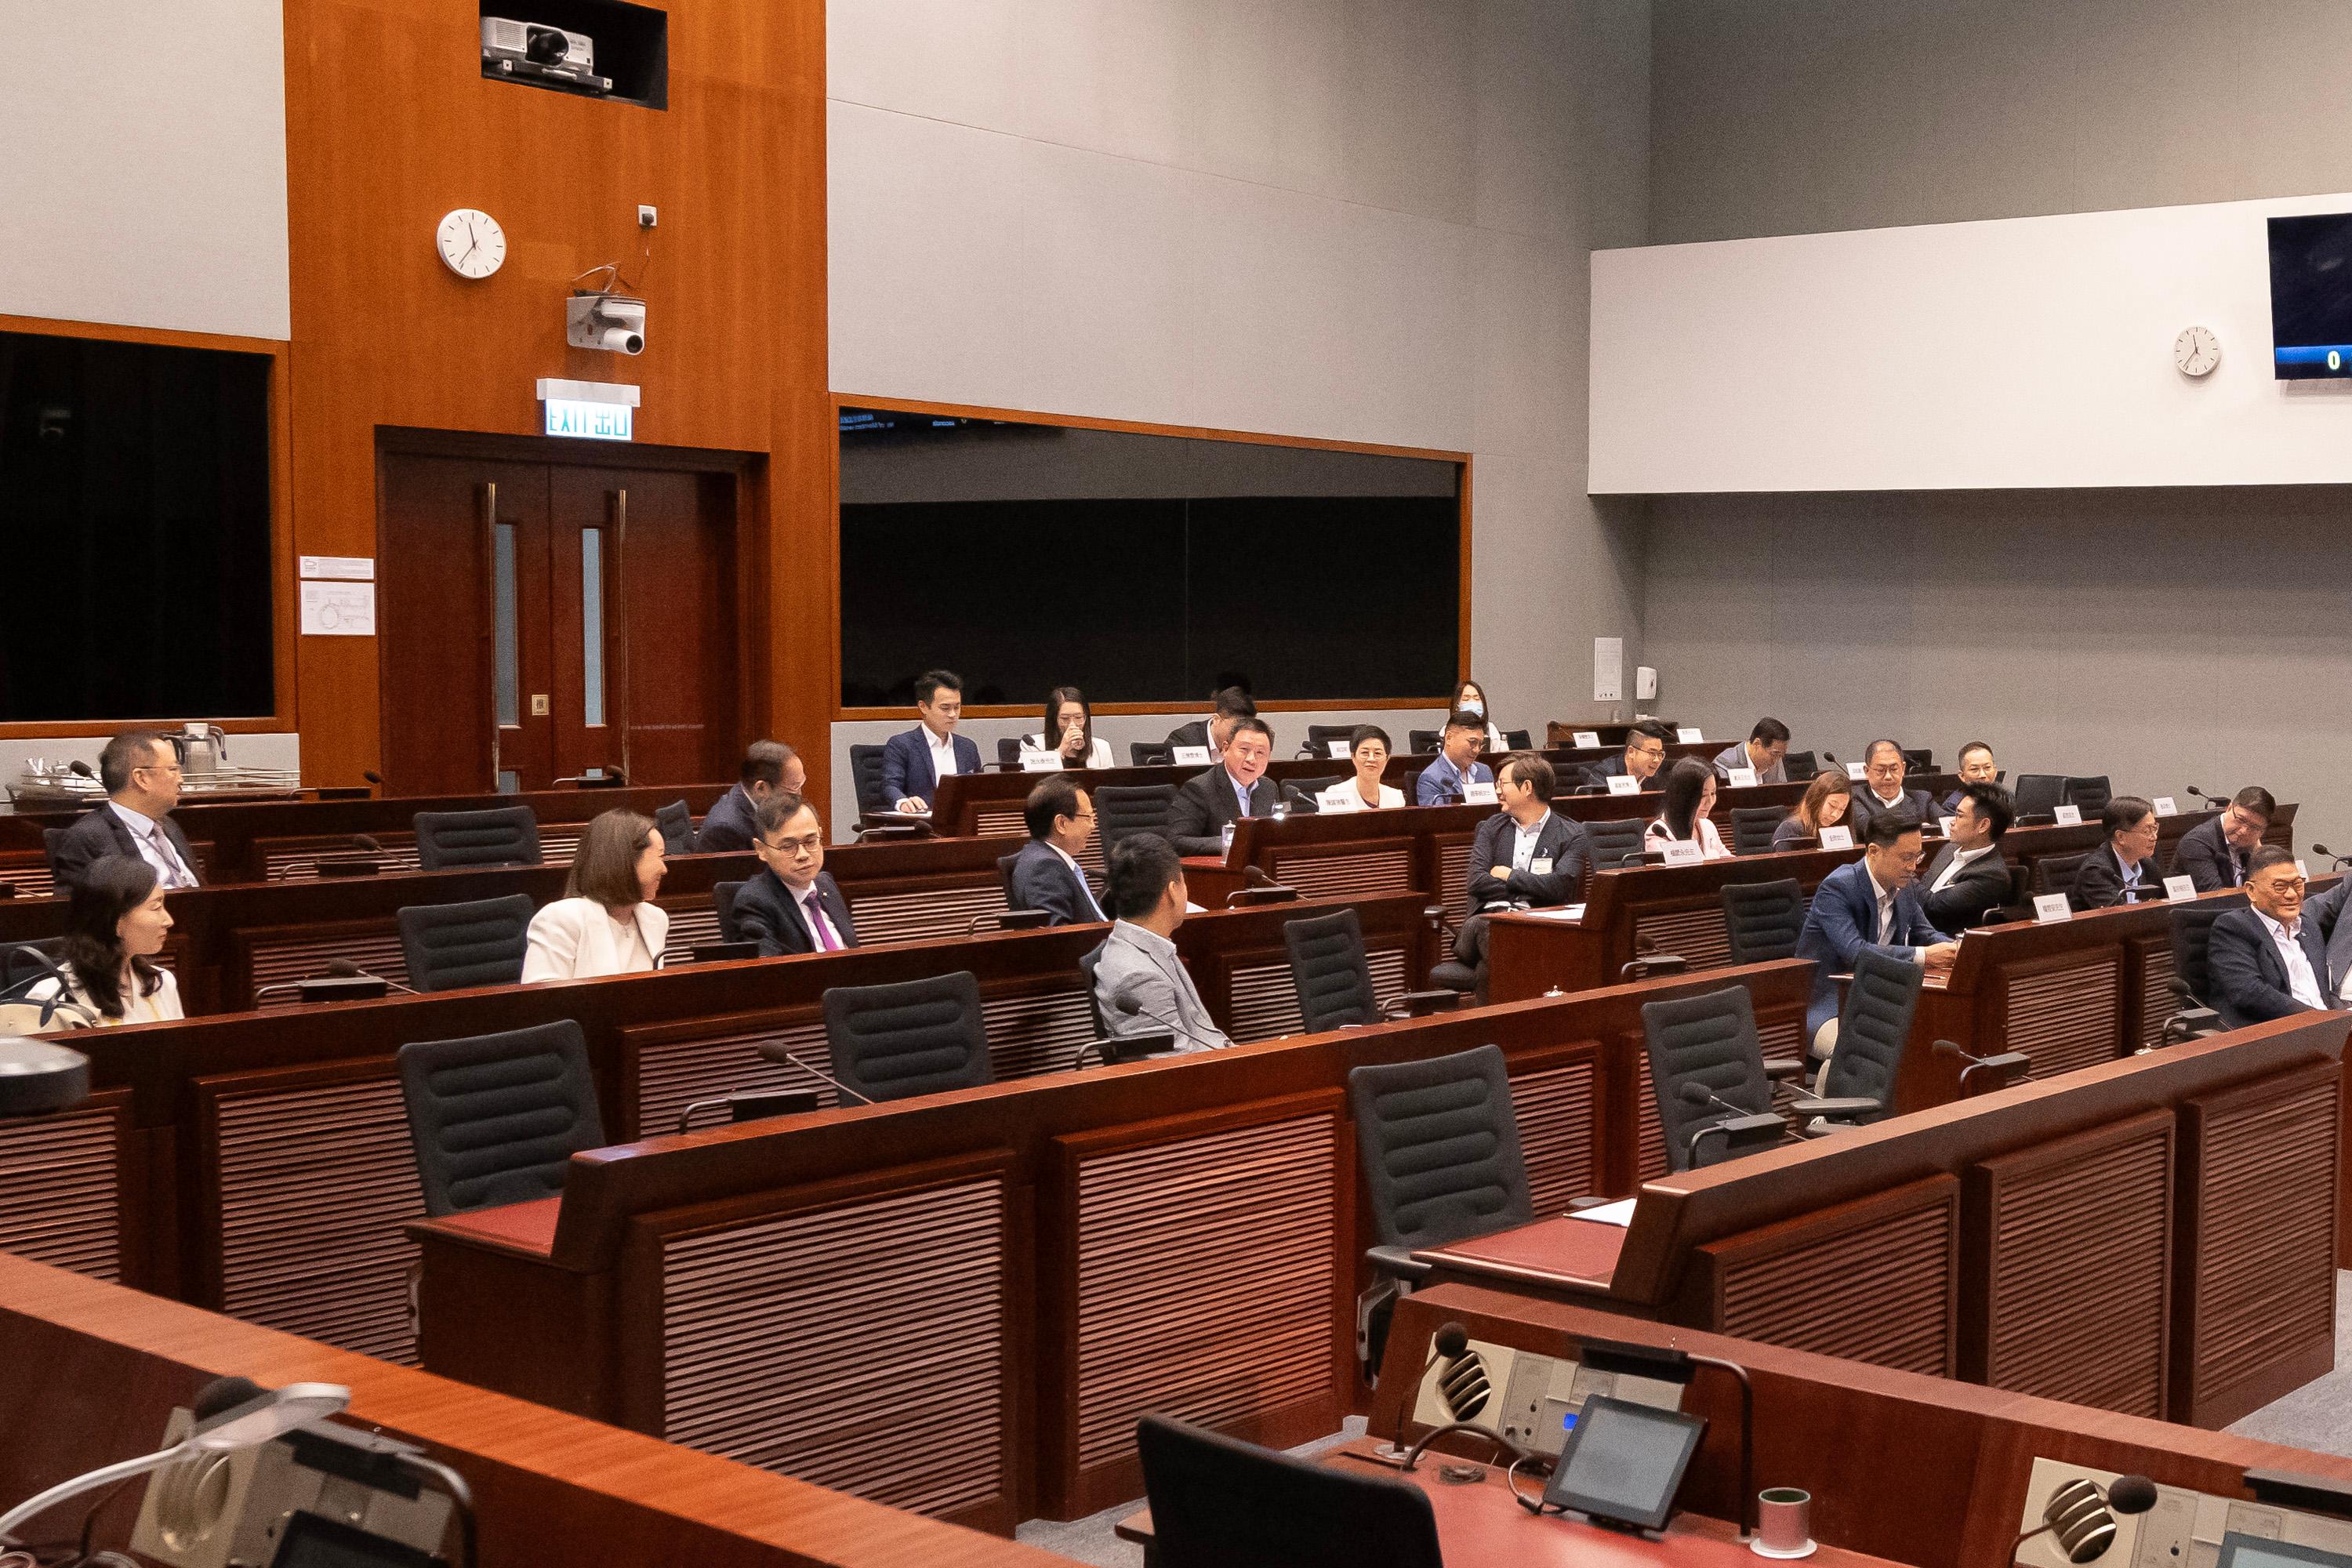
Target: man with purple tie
{"x": 793, "y": 905}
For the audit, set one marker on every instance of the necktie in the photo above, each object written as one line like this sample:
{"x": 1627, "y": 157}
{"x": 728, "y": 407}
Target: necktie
{"x": 167, "y": 856}
{"x": 817, "y": 926}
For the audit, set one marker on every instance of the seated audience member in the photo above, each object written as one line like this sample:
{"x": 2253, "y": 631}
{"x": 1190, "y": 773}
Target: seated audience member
{"x": 2119, "y": 870}
{"x": 606, "y": 922}
{"x": 1471, "y": 697}
{"x": 140, "y": 771}
{"x": 793, "y": 905}
{"x": 1968, "y": 876}
{"x": 1883, "y": 767}
{"x": 770, "y": 768}
{"x": 115, "y": 925}
{"x": 1977, "y": 766}
{"x": 1457, "y": 766}
{"x": 1766, "y": 749}
{"x": 1047, "y": 874}
{"x": 915, "y": 760}
{"x": 2213, "y": 854}
{"x": 1689, "y": 797}
{"x": 1138, "y": 960}
{"x": 1368, "y": 747}
{"x": 1070, "y": 719}
{"x": 2282, "y": 953}
{"x": 1526, "y": 854}
{"x": 1229, "y": 704}
{"x": 1872, "y": 902}
{"x": 1644, "y": 753}
{"x": 1824, "y": 805}
{"x": 1235, "y": 788}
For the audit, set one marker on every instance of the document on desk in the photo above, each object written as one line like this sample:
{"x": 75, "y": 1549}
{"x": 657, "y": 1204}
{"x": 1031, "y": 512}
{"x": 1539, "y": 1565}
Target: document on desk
{"x": 1619, "y": 1213}
{"x": 1564, "y": 913}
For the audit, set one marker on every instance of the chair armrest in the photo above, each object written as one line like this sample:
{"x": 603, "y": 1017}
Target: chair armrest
{"x": 1421, "y": 1003}
{"x": 1655, "y": 963}
{"x": 1397, "y": 1263}
{"x": 1435, "y": 914}
{"x": 1856, "y": 1105}
{"x": 1784, "y": 1069}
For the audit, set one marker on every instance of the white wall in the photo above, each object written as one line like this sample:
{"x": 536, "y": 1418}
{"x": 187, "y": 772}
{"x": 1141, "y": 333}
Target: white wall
{"x": 146, "y": 155}
{"x": 1356, "y": 219}
{"x": 2028, "y": 352}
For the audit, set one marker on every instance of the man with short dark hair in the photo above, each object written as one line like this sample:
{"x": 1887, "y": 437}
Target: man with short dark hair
{"x": 1871, "y": 903}
{"x": 2213, "y": 854}
{"x": 1525, "y": 856}
{"x": 794, "y": 905}
{"x": 1881, "y": 790}
{"x": 770, "y": 767}
{"x": 2271, "y": 959}
{"x": 916, "y": 760}
{"x": 1230, "y": 703}
{"x": 1968, "y": 876}
{"x": 1977, "y": 766}
{"x": 2124, "y": 867}
{"x": 140, "y": 771}
{"x": 1456, "y": 767}
{"x": 1138, "y": 966}
{"x": 1046, "y": 874}
{"x": 1233, "y": 787}
{"x": 1765, "y": 750}
{"x": 1644, "y": 753}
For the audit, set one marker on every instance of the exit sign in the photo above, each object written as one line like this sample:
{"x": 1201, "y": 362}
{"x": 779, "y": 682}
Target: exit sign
{"x": 592, "y": 421}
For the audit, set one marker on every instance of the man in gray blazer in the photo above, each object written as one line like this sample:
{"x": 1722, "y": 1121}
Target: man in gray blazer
{"x": 1141, "y": 984}
{"x": 1766, "y": 749}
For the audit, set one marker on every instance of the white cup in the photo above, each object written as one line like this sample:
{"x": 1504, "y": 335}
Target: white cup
{"x": 1784, "y": 1522}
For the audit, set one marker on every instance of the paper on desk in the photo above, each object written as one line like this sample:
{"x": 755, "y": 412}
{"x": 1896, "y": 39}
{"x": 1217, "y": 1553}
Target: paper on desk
{"x": 1619, "y": 1213}
{"x": 1565, "y": 912}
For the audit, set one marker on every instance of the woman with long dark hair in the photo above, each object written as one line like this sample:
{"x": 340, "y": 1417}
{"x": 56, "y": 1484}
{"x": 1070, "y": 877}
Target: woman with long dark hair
{"x": 115, "y": 925}
{"x": 1689, "y": 797}
{"x": 1069, "y": 730}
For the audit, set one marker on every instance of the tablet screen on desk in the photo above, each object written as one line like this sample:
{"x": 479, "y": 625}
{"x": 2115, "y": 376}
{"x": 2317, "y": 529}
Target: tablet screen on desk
{"x": 1624, "y": 1463}
{"x": 2251, "y": 1551}
{"x": 314, "y": 1540}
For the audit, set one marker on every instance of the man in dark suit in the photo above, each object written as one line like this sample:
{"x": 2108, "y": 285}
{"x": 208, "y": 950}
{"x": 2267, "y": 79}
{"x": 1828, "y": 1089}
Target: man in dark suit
{"x": 1230, "y": 703}
{"x": 1883, "y": 766}
{"x": 2214, "y": 853}
{"x": 2123, "y": 869}
{"x": 1968, "y": 876}
{"x": 1644, "y": 753}
{"x": 793, "y": 905}
{"x": 1527, "y": 854}
{"x": 1235, "y": 788}
{"x": 2281, "y": 953}
{"x": 140, "y": 771}
{"x": 770, "y": 767}
{"x": 1046, "y": 874}
{"x": 1977, "y": 766}
{"x": 915, "y": 760}
{"x": 1872, "y": 902}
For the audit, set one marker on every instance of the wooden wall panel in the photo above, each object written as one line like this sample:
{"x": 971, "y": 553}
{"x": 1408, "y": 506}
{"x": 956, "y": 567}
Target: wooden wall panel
{"x": 2063, "y": 1014}
{"x": 1317, "y": 873}
{"x": 1559, "y": 1113}
{"x": 61, "y": 1181}
{"x": 1696, "y": 934}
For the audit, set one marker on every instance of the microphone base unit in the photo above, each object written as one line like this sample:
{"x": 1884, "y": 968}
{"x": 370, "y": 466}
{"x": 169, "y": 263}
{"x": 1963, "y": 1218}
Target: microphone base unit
{"x": 352, "y": 866}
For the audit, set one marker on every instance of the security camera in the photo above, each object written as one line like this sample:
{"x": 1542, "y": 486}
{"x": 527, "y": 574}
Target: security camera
{"x": 609, "y": 321}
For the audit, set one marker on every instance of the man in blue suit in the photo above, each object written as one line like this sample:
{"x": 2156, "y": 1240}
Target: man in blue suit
{"x": 914, "y": 763}
{"x": 1872, "y": 902}
{"x": 1045, "y": 875}
{"x": 1456, "y": 767}
{"x": 2282, "y": 953}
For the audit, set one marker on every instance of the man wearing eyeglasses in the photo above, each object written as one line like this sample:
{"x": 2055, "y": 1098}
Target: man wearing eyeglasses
{"x": 1046, "y": 874}
{"x": 793, "y": 905}
{"x": 2214, "y": 853}
{"x": 2284, "y": 953}
{"x": 140, "y": 771}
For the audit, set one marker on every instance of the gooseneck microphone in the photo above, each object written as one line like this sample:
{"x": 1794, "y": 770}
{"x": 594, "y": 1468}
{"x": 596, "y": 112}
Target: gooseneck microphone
{"x": 1738, "y": 1124}
{"x": 2332, "y": 855}
{"x": 344, "y": 969}
{"x": 2082, "y": 1514}
{"x": 2208, "y": 798}
{"x": 81, "y": 767}
{"x": 823, "y": 1077}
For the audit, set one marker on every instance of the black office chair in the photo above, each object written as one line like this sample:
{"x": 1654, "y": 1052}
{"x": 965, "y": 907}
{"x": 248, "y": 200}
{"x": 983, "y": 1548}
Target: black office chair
{"x": 2091, "y": 794}
{"x": 2199, "y": 1013}
{"x": 2039, "y": 794}
{"x": 865, "y": 778}
{"x": 1089, "y": 961}
{"x": 1616, "y": 843}
{"x": 496, "y": 1119}
{"x": 1219, "y": 1502}
{"x": 1918, "y": 760}
{"x": 1123, "y": 810}
{"x": 1439, "y": 1148}
{"x": 723, "y": 899}
{"x": 1801, "y": 766}
{"x": 677, "y": 824}
{"x": 2055, "y": 873}
{"x": 1706, "y": 1045}
{"x": 1008, "y": 750}
{"x": 1761, "y": 920}
{"x": 1333, "y": 978}
{"x": 919, "y": 1037}
{"x": 1518, "y": 741}
{"x": 1421, "y": 742}
{"x": 1150, "y": 754}
{"x": 1319, "y": 737}
{"x": 1305, "y": 795}
{"x": 449, "y": 946}
{"x": 23, "y": 961}
{"x": 504, "y": 836}
{"x": 1752, "y": 827}
{"x": 1873, "y": 1027}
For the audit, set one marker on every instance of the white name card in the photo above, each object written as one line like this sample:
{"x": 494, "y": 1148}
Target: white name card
{"x": 2069, "y": 816}
{"x": 2165, "y": 807}
{"x": 1944, "y": 825}
{"x": 2049, "y": 908}
{"x": 1041, "y": 762}
{"x": 1339, "y": 799}
{"x": 1688, "y": 733}
{"x": 2179, "y": 888}
{"x": 1682, "y": 852}
{"x": 1339, "y": 752}
{"x": 2301, "y": 870}
{"x": 1837, "y": 837}
{"x": 1478, "y": 793}
{"x": 1625, "y": 784}
{"x": 1585, "y": 737}
{"x": 1189, "y": 756}
{"x": 1856, "y": 772}
{"x": 1743, "y": 778}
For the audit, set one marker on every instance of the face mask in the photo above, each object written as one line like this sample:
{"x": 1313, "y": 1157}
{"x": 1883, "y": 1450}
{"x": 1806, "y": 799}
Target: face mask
{"x": 1477, "y": 709}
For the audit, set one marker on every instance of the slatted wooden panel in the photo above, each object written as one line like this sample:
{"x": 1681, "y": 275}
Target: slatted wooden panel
{"x": 1875, "y": 1286}
{"x": 691, "y": 925}
{"x": 2063, "y": 1018}
{"x": 2155, "y": 1001}
{"x": 1696, "y": 934}
{"x": 2263, "y": 1216}
{"x": 295, "y": 859}
{"x": 1649, "y": 1131}
{"x": 1356, "y": 876}
{"x": 1558, "y": 1111}
{"x": 1453, "y": 869}
{"x": 1264, "y": 1003}
{"x": 808, "y": 1342}
{"x": 1009, "y": 823}
{"x": 1029, "y": 1035}
{"x": 672, "y": 1074}
{"x": 30, "y": 877}
{"x": 2076, "y": 1283}
{"x": 919, "y": 916}
{"x": 1207, "y": 1269}
{"x": 315, "y": 1181}
{"x": 297, "y": 952}
{"x": 60, "y": 1186}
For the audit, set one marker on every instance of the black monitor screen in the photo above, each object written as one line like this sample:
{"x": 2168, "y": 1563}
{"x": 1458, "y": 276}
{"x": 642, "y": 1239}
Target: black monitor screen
{"x": 313, "y": 1541}
{"x": 1624, "y": 1462}
{"x": 2311, "y": 297}
{"x": 2251, "y": 1551}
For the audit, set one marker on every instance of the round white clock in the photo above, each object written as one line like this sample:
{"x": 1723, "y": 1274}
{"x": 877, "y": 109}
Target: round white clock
{"x": 471, "y": 243}
{"x": 2196, "y": 351}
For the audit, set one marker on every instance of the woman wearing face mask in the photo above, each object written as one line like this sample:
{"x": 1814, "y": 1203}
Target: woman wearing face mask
{"x": 115, "y": 925}
{"x": 1471, "y": 697}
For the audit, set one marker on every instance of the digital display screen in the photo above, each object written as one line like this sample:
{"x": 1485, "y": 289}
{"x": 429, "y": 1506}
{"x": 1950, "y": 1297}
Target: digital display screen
{"x": 2251, "y": 1551}
{"x": 1624, "y": 1462}
{"x": 2311, "y": 297}
{"x": 314, "y": 1540}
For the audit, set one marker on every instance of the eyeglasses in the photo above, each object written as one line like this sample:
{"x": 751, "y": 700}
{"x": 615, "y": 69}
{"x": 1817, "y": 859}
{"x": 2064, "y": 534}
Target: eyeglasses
{"x": 2283, "y": 884}
{"x": 808, "y": 844}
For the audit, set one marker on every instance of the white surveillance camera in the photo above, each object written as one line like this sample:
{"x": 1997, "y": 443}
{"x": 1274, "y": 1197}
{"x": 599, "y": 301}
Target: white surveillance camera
{"x": 620, "y": 340}
{"x": 611, "y": 323}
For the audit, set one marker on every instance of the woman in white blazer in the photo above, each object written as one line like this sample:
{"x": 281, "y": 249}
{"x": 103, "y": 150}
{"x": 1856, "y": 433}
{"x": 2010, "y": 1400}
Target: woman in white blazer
{"x": 1689, "y": 797}
{"x": 115, "y": 924}
{"x": 1070, "y": 720}
{"x": 1368, "y": 747}
{"x": 607, "y": 922}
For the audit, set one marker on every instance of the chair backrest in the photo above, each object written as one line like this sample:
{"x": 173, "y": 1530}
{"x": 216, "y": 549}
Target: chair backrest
{"x": 675, "y": 821}
{"x": 1320, "y": 736}
{"x": 1707, "y": 1039}
{"x": 1752, "y": 827}
{"x": 1306, "y": 794}
{"x": 1008, "y": 749}
{"x": 1122, "y": 809}
{"x": 1918, "y": 760}
{"x": 1421, "y": 742}
{"x": 1873, "y": 1029}
{"x": 2039, "y": 794}
{"x": 2091, "y": 794}
{"x": 1762, "y": 920}
{"x": 722, "y": 899}
{"x": 1150, "y": 754}
{"x": 21, "y": 961}
{"x": 1439, "y": 1148}
{"x": 1518, "y": 741}
{"x": 2192, "y": 938}
{"x": 1219, "y": 1502}
{"x": 50, "y": 838}
{"x": 503, "y": 835}
{"x": 1004, "y": 880}
{"x": 1330, "y": 972}
{"x": 1801, "y": 766}
{"x": 496, "y": 1119}
{"x": 448, "y": 946}
{"x": 1617, "y": 842}
{"x": 2055, "y": 873}
{"x": 918, "y": 1037}
{"x": 865, "y": 777}
{"x": 1089, "y": 961}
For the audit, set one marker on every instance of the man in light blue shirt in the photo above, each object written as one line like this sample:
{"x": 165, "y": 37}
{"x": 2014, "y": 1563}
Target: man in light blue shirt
{"x": 1448, "y": 779}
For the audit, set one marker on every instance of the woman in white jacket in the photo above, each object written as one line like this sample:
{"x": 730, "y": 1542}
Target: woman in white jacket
{"x": 607, "y": 922}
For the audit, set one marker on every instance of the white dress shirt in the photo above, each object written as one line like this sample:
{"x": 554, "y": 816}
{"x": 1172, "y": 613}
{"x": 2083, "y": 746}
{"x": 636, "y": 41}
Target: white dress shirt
{"x": 1523, "y": 846}
{"x": 1883, "y": 935}
{"x": 2301, "y": 982}
{"x": 943, "y": 757}
{"x": 1962, "y": 860}
{"x": 155, "y": 847}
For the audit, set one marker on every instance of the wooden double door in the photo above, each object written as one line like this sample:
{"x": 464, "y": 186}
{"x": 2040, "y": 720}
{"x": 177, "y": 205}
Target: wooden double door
{"x": 545, "y": 621}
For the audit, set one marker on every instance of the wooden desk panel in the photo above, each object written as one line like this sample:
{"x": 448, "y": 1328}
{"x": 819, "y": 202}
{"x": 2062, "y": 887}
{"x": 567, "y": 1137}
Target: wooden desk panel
{"x": 64, "y": 1182}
